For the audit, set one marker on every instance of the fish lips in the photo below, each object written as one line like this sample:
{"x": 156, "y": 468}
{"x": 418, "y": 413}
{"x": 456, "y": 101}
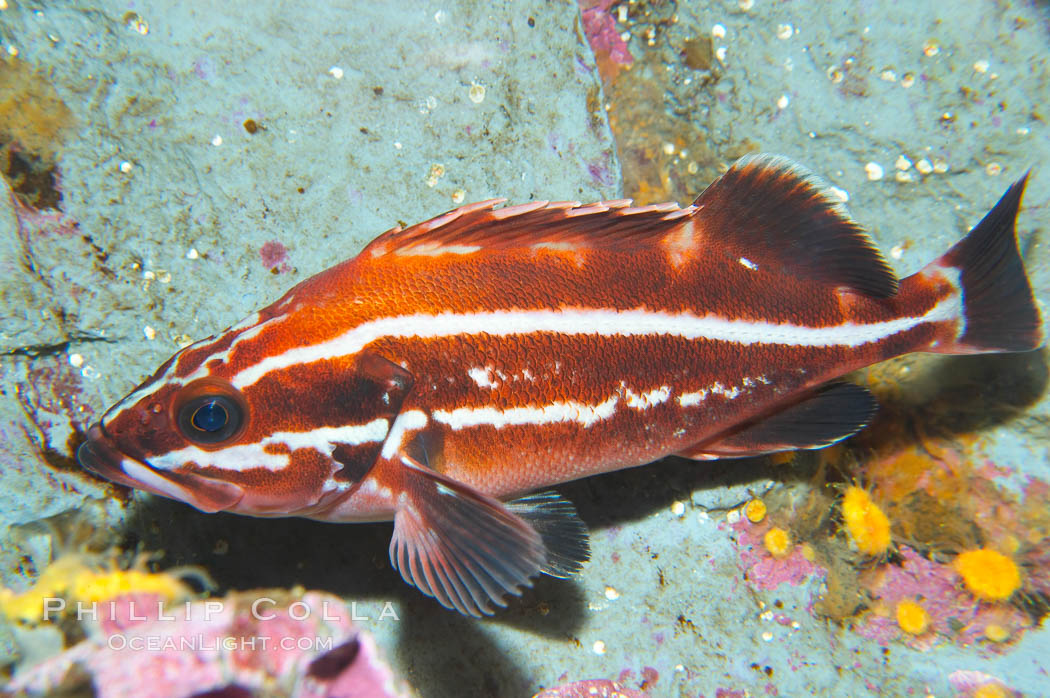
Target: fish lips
{"x": 100, "y": 456}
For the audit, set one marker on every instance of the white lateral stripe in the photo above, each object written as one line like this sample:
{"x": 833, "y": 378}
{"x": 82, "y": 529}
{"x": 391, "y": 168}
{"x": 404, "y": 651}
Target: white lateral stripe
{"x": 584, "y": 414}
{"x": 692, "y": 399}
{"x": 241, "y": 457}
{"x": 728, "y": 393}
{"x": 322, "y": 438}
{"x": 483, "y": 377}
{"x": 247, "y": 328}
{"x": 648, "y": 399}
{"x": 435, "y": 250}
{"x": 561, "y": 411}
{"x": 571, "y": 411}
{"x": 594, "y": 322}
{"x": 747, "y": 383}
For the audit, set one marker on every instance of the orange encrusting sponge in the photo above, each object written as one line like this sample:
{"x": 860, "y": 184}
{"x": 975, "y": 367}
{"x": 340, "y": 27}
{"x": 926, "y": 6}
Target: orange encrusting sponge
{"x": 755, "y": 510}
{"x": 992, "y": 690}
{"x": 988, "y": 574}
{"x": 777, "y": 542}
{"x": 866, "y": 523}
{"x": 912, "y": 617}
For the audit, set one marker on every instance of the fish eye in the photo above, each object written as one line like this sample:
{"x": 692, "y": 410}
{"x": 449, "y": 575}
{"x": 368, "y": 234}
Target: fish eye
{"x": 210, "y": 415}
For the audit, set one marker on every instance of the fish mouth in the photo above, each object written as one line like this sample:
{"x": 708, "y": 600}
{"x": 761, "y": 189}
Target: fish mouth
{"x": 99, "y": 455}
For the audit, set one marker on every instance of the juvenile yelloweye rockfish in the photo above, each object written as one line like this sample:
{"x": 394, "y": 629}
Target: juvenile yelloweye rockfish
{"x": 456, "y": 366}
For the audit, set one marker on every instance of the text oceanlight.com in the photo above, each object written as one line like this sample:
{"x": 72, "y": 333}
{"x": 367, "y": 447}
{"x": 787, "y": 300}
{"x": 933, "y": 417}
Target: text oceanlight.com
{"x": 205, "y": 643}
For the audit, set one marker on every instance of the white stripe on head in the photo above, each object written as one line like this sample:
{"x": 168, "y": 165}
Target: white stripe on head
{"x": 325, "y": 438}
{"x": 250, "y": 331}
{"x": 599, "y": 322}
{"x": 142, "y": 474}
{"x": 248, "y": 327}
{"x": 241, "y": 457}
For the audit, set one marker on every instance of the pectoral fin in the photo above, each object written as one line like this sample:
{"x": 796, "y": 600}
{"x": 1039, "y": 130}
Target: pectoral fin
{"x": 831, "y": 414}
{"x": 462, "y": 547}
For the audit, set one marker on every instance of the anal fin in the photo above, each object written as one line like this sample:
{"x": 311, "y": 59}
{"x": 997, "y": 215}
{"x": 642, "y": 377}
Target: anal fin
{"x": 822, "y": 418}
{"x": 462, "y": 547}
{"x": 563, "y": 532}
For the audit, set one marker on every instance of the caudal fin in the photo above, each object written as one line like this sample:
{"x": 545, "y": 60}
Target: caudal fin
{"x": 999, "y": 312}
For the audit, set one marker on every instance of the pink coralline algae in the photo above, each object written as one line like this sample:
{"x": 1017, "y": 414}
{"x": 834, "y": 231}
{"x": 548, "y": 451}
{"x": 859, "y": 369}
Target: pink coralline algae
{"x": 591, "y": 688}
{"x": 601, "y": 173}
{"x": 649, "y": 677}
{"x": 610, "y": 50}
{"x": 952, "y": 611}
{"x": 967, "y": 684}
{"x": 275, "y": 256}
{"x": 303, "y": 646}
{"x": 47, "y": 221}
{"x": 52, "y": 398}
{"x": 765, "y": 572}
{"x": 730, "y": 693}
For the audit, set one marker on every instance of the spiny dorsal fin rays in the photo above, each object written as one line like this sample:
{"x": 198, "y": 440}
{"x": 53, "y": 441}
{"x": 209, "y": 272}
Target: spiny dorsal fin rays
{"x": 765, "y": 209}
{"x": 774, "y": 213}
{"x": 613, "y": 223}
{"x": 446, "y": 219}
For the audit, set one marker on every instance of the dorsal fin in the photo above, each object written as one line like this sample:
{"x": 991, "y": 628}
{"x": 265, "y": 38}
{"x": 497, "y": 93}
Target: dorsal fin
{"x": 770, "y": 211}
{"x": 468, "y": 228}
